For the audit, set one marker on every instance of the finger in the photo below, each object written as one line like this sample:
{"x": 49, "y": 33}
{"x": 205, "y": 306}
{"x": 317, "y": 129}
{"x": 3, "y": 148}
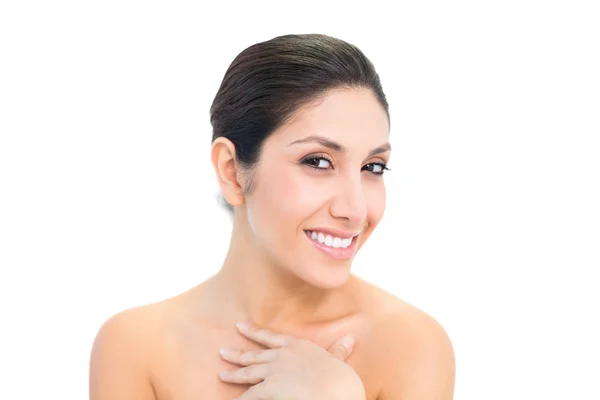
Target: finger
{"x": 253, "y": 374}
{"x": 245, "y": 358}
{"x": 342, "y": 348}
{"x": 265, "y": 337}
{"x": 256, "y": 392}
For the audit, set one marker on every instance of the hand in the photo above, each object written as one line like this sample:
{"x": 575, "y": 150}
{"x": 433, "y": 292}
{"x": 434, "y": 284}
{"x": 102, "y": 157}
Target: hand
{"x": 292, "y": 368}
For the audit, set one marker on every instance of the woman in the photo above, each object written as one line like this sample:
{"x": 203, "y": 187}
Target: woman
{"x": 300, "y": 143}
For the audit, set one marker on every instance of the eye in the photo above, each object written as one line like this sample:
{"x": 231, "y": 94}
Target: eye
{"x": 376, "y": 168}
{"x": 317, "y": 162}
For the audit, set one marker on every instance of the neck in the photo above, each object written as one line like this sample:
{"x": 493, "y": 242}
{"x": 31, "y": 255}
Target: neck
{"x": 252, "y": 286}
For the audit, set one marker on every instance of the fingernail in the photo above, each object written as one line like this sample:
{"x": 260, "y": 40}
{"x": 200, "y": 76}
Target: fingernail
{"x": 348, "y": 342}
{"x": 244, "y": 324}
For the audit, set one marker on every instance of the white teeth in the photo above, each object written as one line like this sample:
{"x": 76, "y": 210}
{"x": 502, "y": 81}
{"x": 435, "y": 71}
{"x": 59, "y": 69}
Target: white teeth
{"x": 330, "y": 241}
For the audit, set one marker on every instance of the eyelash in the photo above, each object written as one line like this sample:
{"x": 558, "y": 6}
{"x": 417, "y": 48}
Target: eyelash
{"x": 306, "y": 161}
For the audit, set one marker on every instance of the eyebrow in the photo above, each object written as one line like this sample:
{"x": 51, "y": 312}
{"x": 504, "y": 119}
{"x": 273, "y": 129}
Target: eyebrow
{"x": 323, "y": 141}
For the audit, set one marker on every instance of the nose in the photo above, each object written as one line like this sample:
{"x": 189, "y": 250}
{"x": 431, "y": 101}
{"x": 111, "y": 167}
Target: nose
{"x": 349, "y": 202}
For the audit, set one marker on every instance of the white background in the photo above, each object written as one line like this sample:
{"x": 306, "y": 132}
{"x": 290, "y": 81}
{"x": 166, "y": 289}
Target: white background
{"x": 493, "y": 222}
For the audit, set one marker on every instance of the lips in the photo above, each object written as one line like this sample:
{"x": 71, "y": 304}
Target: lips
{"x": 346, "y": 245}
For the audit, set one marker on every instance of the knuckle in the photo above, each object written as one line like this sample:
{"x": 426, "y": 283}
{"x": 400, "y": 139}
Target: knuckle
{"x": 237, "y": 354}
{"x": 273, "y": 356}
{"x": 247, "y": 357}
{"x": 248, "y": 372}
{"x": 288, "y": 340}
{"x": 301, "y": 343}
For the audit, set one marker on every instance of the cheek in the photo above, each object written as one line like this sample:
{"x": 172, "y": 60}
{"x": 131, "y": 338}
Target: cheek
{"x": 295, "y": 194}
{"x": 283, "y": 199}
{"x": 376, "y": 202}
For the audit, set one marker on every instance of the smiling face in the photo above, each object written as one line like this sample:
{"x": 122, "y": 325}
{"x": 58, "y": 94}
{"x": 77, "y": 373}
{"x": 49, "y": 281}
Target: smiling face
{"x": 318, "y": 188}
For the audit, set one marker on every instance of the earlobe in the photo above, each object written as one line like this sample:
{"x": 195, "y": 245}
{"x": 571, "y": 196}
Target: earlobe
{"x": 226, "y": 169}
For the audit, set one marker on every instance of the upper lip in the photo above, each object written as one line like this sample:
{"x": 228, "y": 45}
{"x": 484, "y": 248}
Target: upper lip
{"x": 334, "y": 232}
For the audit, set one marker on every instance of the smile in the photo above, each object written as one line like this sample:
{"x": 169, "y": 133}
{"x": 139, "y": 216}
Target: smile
{"x": 340, "y": 248}
{"x": 328, "y": 240}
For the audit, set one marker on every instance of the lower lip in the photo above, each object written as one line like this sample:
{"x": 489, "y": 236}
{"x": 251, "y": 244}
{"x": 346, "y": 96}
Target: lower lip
{"x": 336, "y": 253}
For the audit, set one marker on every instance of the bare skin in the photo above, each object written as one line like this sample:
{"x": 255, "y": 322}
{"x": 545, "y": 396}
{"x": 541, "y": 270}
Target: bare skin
{"x": 274, "y": 275}
{"x": 171, "y": 348}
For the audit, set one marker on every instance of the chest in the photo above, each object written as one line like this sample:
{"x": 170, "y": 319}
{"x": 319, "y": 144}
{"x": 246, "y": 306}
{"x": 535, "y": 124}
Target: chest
{"x": 190, "y": 364}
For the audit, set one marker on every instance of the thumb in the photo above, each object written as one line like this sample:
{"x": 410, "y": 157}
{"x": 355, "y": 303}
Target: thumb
{"x": 342, "y": 348}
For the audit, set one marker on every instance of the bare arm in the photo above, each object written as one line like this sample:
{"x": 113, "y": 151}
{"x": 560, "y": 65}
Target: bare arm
{"x": 118, "y": 368}
{"x": 423, "y": 370}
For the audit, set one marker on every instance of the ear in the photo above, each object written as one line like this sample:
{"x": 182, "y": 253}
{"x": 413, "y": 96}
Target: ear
{"x": 225, "y": 165}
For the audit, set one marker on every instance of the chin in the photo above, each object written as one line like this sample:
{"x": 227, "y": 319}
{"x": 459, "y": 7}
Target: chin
{"x": 328, "y": 277}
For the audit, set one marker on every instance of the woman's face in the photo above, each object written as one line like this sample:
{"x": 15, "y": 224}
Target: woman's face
{"x": 318, "y": 188}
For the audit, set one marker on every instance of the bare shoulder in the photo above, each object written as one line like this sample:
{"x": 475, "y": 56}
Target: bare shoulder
{"x": 120, "y": 358}
{"x": 411, "y": 348}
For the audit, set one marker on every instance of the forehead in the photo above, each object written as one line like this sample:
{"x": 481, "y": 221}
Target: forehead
{"x": 345, "y": 115}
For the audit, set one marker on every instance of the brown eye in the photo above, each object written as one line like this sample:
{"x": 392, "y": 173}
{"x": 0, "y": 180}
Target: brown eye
{"x": 317, "y": 162}
{"x": 376, "y": 168}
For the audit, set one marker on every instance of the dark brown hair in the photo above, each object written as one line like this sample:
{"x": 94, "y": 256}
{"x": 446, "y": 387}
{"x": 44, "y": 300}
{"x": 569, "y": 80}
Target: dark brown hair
{"x": 269, "y": 81}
